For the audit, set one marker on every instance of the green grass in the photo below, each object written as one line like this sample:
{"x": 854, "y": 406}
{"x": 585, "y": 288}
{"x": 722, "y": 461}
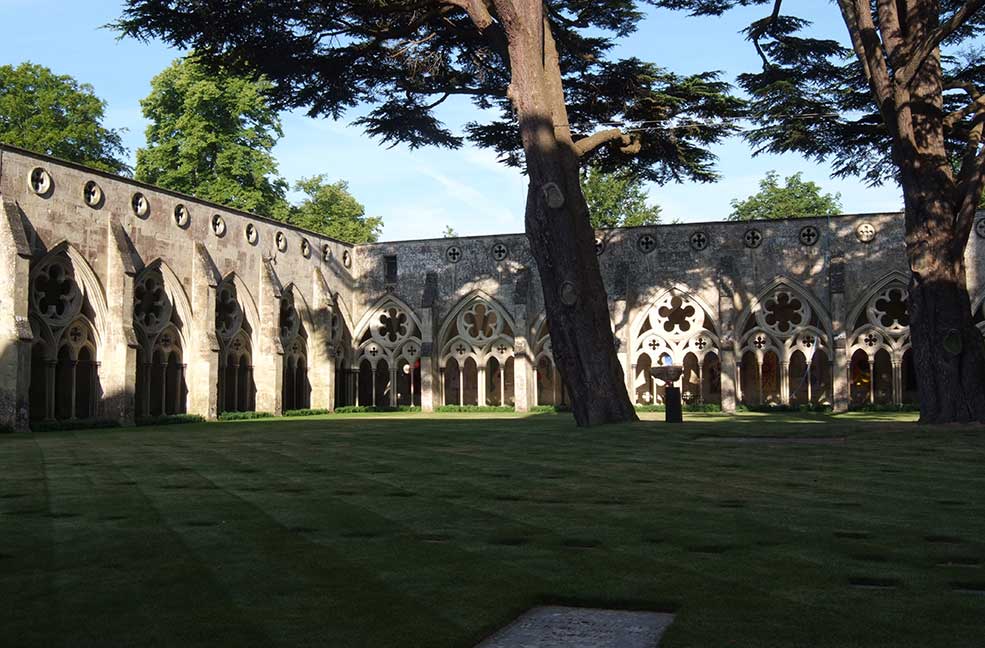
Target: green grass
{"x": 403, "y": 530}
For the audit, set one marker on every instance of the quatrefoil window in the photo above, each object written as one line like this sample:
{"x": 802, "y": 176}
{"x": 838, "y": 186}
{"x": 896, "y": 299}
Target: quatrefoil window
{"x": 453, "y": 254}
{"x": 140, "y": 205}
{"x": 181, "y": 216}
{"x": 480, "y": 323}
{"x": 290, "y": 322}
{"x": 753, "y": 238}
{"x": 281, "y": 241}
{"x": 866, "y": 232}
{"x": 889, "y": 310}
{"x": 218, "y": 225}
{"x": 305, "y": 248}
{"x": 809, "y": 235}
{"x": 252, "y": 236}
{"x": 228, "y": 314}
{"x": 698, "y": 241}
{"x": 151, "y": 306}
{"x": 55, "y": 292}
{"x": 646, "y": 243}
{"x": 500, "y": 252}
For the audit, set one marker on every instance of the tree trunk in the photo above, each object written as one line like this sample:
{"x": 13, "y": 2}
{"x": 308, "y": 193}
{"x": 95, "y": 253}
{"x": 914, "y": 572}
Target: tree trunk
{"x": 948, "y": 349}
{"x": 561, "y": 236}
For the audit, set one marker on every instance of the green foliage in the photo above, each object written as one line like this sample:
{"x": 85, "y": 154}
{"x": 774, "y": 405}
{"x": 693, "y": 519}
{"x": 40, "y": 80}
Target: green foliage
{"x": 56, "y": 115}
{"x": 486, "y": 409}
{"x": 797, "y": 198}
{"x": 211, "y": 134}
{"x": 330, "y": 209}
{"x": 401, "y": 59}
{"x": 687, "y": 407}
{"x": 550, "y": 409}
{"x": 875, "y": 407}
{"x": 449, "y": 232}
{"x": 811, "y": 407}
{"x": 306, "y": 412}
{"x": 367, "y": 409}
{"x": 174, "y": 419}
{"x": 243, "y": 416}
{"x": 74, "y": 424}
{"x": 616, "y": 199}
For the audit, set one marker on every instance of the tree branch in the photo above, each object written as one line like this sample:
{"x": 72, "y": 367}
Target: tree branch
{"x": 934, "y": 39}
{"x": 758, "y": 28}
{"x": 628, "y": 144}
{"x": 868, "y": 49}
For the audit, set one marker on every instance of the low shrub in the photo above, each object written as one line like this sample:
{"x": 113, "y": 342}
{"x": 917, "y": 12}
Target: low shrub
{"x": 369, "y": 409}
{"x": 243, "y": 416}
{"x": 306, "y": 412}
{"x": 876, "y": 407}
{"x": 6, "y": 429}
{"x": 74, "y": 424}
{"x": 474, "y": 408}
{"x": 812, "y": 407}
{"x": 550, "y": 409}
{"x": 687, "y": 407}
{"x": 171, "y": 419}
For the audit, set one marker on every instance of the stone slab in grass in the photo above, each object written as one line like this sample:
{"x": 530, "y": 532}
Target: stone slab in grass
{"x": 570, "y": 627}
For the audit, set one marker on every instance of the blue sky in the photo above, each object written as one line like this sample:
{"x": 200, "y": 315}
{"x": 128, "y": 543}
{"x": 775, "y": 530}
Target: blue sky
{"x": 419, "y": 192}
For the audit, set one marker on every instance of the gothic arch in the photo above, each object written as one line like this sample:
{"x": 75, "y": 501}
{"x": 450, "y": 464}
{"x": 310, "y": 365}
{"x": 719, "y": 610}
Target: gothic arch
{"x": 781, "y": 282}
{"x": 88, "y": 281}
{"x": 893, "y": 277}
{"x": 251, "y": 313}
{"x": 378, "y": 307}
{"x": 644, "y": 307}
{"x": 388, "y": 341}
{"x": 237, "y": 328}
{"x": 879, "y": 342}
{"x": 476, "y": 352}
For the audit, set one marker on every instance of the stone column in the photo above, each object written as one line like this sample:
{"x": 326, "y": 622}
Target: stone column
{"x": 118, "y": 354}
{"x": 202, "y": 364}
{"x": 522, "y": 362}
{"x": 428, "y": 362}
{"x": 729, "y": 366}
{"x": 268, "y": 357}
{"x": 840, "y": 394}
{"x": 321, "y": 355}
{"x": 785, "y": 382}
{"x": 15, "y": 328}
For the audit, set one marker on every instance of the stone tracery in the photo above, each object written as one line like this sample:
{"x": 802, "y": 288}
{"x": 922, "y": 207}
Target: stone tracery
{"x": 388, "y": 357}
{"x": 476, "y": 360}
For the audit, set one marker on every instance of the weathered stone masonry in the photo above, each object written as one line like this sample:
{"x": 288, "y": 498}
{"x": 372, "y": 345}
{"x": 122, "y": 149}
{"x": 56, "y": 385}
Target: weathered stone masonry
{"x": 124, "y": 300}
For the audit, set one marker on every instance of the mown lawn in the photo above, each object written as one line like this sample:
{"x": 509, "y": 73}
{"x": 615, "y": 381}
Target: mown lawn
{"x": 411, "y": 531}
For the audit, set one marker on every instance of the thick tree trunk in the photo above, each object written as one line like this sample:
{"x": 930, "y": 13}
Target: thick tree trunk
{"x": 559, "y": 230}
{"x": 948, "y": 350}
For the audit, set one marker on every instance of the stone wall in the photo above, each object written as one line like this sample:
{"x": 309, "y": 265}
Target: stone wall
{"x": 126, "y": 300}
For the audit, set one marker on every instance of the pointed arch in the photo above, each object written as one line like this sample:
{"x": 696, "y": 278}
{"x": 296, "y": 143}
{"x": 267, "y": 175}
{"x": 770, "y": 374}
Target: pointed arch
{"x": 302, "y": 306}
{"x": 644, "y": 309}
{"x": 248, "y": 304}
{"x": 885, "y": 281}
{"x": 89, "y": 283}
{"x": 377, "y": 308}
{"x": 792, "y": 285}
{"x": 462, "y": 303}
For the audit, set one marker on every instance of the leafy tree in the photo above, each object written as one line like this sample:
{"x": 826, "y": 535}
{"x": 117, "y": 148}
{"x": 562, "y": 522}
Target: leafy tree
{"x": 211, "y": 135}
{"x": 902, "y": 103}
{"x": 330, "y": 209}
{"x": 616, "y": 199}
{"x": 56, "y": 115}
{"x": 449, "y": 232}
{"x": 795, "y": 199}
{"x": 544, "y": 65}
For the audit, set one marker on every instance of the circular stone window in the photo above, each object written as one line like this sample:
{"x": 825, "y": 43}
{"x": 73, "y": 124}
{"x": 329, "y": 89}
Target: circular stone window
{"x": 326, "y": 252}
{"x": 182, "y": 217}
{"x": 865, "y": 232}
{"x": 500, "y": 252}
{"x": 218, "y": 225}
{"x": 753, "y": 238}
{"x": 346, "y": 258}
{"x": 305, "y": 248}
{"x": 809, "y": 235}
{"x": 140, "y": 205}
{"x": 698, "y": 241}
{"x": 41, "y": 182}
{"x": 599, "y": 246}
{"x": 453, "y": 254}
{"x": 92, "y": 194}
{"x": 646, "y": 243}
{"x": 252, "y": 236}
{"x": 281, "y": 241}
{"x": 980, "y": 227}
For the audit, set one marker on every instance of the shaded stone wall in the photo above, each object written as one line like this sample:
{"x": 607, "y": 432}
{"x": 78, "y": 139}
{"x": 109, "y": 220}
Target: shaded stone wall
{"x": 147, "y": 302}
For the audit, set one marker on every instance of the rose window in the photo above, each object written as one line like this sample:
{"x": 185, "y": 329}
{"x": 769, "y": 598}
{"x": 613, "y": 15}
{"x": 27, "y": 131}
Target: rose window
{"x": 783, "y": 312}
{"x": 392, "y": 325}
{"x": 889, "y": 310}
{"x": 479, "y": 322}
{"x": 151, "y": 307}
{"x": 678, "y": 315}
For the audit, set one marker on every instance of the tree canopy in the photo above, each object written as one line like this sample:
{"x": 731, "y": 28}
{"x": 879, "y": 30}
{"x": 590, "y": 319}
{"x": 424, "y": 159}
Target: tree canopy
{"x": 330, "y": 209}
{"x": 406, "y": 57}
{"x": 617, "y": 199}
{"x": 210, "y": 135}
{"x": 797, "y": 198}
{"x": 56, "y": 115}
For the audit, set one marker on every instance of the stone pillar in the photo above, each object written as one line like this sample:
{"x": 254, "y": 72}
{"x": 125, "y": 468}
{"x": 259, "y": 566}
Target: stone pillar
{"x": 785, "y": 382}
{"x": 268, "y": 357}
{"x": 522, "y": 362}
{"x": 729, "y": 366}
{"x": 840, "y": 393}
{"x": 202, "y": 366}
{"x": 321, "y": 355}
{"x": 428, "y": 362}
{"x": 15, "y": 327}
{"x": 118, "y": 364}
